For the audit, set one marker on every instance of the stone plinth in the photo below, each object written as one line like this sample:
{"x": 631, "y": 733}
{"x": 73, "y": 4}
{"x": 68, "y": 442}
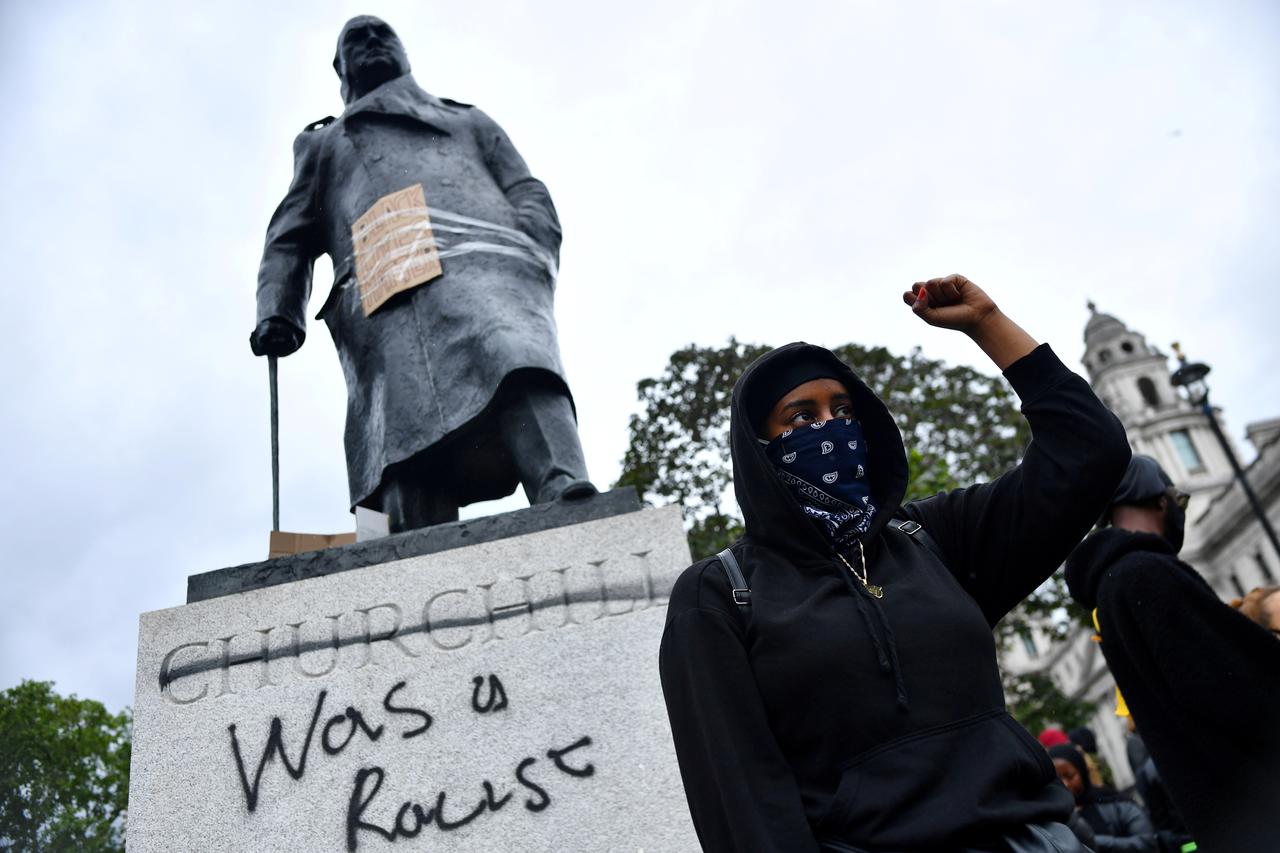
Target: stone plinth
{"x": 501, "y": 696}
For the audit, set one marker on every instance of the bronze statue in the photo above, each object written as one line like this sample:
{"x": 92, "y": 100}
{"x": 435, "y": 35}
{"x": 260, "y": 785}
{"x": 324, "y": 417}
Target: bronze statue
{"x": 455, "y": 391}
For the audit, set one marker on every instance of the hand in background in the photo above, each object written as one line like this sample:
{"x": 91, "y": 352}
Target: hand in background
{"x": 1262, "y": 605}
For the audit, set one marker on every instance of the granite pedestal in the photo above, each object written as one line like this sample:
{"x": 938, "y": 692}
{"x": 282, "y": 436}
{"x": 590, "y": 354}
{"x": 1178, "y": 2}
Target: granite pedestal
{"x": 420, "y": 693}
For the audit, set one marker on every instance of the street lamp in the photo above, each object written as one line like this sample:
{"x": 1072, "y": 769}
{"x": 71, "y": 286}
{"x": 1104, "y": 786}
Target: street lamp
{"x": 1190, "y": 378}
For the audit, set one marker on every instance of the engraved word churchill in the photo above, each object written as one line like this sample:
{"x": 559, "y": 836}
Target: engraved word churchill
{"x": 442, "y": 621}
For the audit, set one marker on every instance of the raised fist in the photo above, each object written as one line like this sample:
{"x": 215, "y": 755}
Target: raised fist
{"x": 952, "y": 302}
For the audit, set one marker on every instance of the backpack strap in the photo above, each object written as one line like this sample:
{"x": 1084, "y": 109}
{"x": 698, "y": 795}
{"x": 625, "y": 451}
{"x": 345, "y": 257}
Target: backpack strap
{"x": 737, "y": 582}
{"x": 742, "y": 593}
{"x": 917, "y": 532}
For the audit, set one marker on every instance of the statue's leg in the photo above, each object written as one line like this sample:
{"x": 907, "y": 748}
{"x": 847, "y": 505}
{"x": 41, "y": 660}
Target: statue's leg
{"x": 410, "y": 504}
{"x": 541, "y": 434}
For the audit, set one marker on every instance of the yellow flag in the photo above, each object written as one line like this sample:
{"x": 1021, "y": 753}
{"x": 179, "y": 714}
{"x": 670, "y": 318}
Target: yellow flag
{"x": 1122, "y": 709}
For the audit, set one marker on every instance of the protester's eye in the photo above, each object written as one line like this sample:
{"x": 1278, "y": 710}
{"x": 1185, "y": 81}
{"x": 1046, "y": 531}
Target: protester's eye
{"x": 844, "y": 410}
{"x": 800, "y": 417}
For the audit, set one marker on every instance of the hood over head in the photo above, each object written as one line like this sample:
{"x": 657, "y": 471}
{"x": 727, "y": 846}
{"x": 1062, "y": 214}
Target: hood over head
{"x": 1067, "y": 752}
{"x": 1087, "y": 565}
{"x": 770, "y": 511}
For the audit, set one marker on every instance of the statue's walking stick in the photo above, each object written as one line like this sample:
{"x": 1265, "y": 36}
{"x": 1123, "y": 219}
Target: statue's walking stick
{"x": 275, "y": 444}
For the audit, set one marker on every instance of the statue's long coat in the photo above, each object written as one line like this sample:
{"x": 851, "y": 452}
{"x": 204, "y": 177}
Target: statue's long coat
{"x": 422, "y": 369}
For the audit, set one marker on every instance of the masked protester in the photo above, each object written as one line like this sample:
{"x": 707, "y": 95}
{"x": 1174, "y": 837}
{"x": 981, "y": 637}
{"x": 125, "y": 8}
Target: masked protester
{"x": 1201, "y": 680}
{"x": 1119, "y": 826}
{"x": 842, "y": 694}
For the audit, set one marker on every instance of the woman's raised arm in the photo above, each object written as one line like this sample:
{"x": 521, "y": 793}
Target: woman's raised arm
{"x": 1004, "y": 538}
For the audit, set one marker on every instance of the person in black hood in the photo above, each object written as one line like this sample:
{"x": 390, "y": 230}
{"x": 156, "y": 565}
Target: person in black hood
{"x": 1119, "y": 826}
{"x": 1084, "y": 738}
{"x": 1201, "y": 680}
{"x": 845, "y": 695}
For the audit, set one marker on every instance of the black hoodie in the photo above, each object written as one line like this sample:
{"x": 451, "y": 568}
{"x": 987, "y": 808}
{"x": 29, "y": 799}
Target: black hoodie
{"x": 1201, "y": 679}
{"x": 826, "y": 713}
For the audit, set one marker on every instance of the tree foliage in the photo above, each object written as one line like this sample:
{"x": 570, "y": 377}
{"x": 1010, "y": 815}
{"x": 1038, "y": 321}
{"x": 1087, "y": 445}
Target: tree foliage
{"x": 960, "y": 426}
{"x": 1037, "y": 702}
{"x": 64, "y": 771}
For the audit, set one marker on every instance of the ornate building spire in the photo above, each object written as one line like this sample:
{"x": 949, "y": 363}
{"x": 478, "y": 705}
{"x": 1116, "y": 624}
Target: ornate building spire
{"x": 1133, "y": 379}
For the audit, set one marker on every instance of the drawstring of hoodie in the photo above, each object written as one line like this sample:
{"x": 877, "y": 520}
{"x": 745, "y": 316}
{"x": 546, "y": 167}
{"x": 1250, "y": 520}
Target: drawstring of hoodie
{"x": 899, "y": 686}
{"x": 881, "y": 658}
{"x": 887, "y": 661}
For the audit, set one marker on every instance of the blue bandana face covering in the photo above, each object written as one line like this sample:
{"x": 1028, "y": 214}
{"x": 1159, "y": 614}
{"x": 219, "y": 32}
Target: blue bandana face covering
{"x": 825, "y": 466}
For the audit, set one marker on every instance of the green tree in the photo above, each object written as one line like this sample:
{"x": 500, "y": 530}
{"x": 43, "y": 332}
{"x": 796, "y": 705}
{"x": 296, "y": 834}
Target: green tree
{"x": 960, "y": 426}
{"x": 1037, "y": 702}
{"x": 64, "y": 771}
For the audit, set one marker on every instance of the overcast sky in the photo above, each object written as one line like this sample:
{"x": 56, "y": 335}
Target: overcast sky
{"x": 770, "y": 171}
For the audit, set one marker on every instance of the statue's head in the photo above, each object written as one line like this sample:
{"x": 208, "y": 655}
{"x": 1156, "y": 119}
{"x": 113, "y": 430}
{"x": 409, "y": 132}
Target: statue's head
{"x": 369, "y": 54}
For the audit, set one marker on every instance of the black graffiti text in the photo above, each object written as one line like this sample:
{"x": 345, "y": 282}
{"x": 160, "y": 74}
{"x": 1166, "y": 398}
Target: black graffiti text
{"x": 411, "y": 818}
{"x": 497, "y": 699}
{"x": 335, "y": 736}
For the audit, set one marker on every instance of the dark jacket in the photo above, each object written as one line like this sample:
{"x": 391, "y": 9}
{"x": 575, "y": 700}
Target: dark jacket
{"x": 1136, "y": 751}
{"x": 1171, "y": 829}
{"x": 826, "y": 713}
{"x": 1120, "y": 826}
{"x": 1201, "y": 680}
{"x": 427, "y": 363}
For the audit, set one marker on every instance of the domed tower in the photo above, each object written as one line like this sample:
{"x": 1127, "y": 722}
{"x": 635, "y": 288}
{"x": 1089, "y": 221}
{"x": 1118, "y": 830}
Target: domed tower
{"x": 1133, "y": 379}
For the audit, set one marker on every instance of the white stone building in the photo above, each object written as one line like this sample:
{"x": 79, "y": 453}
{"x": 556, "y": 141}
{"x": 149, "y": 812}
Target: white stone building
{"x": 1224, "y": 542}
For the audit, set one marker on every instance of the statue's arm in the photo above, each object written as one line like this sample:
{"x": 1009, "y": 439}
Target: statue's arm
{"x": 284, "y": 277}
{"x": 528, "y": 195}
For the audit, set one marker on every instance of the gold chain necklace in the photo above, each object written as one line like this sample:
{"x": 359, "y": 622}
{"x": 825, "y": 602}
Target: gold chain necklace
{"x": 875, "y": 590}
